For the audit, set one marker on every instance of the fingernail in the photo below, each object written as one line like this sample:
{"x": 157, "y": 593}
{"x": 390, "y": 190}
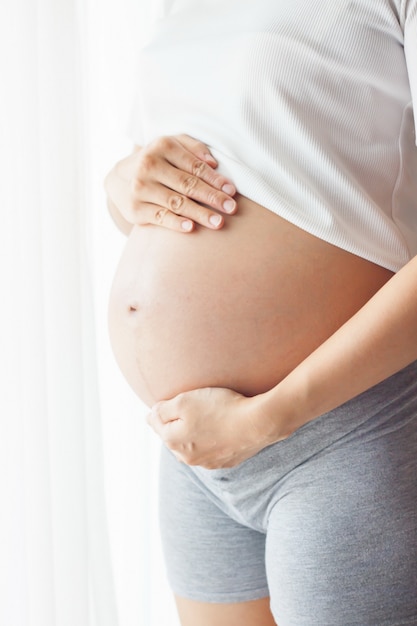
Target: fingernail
{"x": 187, "y": 226}
{"x": 229, "y": 206}
{"x": 229, "y": 189}
{"x": 215, "y": 220}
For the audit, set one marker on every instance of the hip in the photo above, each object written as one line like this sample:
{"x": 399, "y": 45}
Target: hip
{"x": 369, "y": 439}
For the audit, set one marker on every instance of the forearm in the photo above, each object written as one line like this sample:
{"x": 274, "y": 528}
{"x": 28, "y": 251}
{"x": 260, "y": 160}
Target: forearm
{"x": 379, "y": 340}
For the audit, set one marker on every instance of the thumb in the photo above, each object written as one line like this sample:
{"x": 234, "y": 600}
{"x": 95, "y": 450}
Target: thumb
{"x": 161, "y": 413}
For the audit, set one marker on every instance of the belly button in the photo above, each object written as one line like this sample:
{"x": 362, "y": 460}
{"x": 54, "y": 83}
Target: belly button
{"x": 133, "y": 307}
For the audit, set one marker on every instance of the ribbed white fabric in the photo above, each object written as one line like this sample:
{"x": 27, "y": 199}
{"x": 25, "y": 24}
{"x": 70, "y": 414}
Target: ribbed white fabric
{"x": 308, "y": 107}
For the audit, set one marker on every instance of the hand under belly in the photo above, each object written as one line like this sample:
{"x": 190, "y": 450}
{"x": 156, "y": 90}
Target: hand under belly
{"x": 236, "y": 308}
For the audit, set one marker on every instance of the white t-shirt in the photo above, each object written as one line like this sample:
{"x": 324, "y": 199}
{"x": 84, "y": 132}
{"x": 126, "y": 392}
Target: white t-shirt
{"x": 308, "y": 107}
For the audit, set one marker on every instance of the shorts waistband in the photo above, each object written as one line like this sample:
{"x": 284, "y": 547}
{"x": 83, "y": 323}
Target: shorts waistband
{"x": 374, "y": 407}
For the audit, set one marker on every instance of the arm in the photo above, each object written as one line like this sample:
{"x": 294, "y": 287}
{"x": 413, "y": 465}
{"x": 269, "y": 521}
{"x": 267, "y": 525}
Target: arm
{"x": 379, "y": 340}
{"x": 220, "y": 428}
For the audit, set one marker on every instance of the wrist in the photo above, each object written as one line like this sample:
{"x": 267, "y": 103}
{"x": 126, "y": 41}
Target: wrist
{"x": 283, "y": 409}
{"x": 270, "y": 417}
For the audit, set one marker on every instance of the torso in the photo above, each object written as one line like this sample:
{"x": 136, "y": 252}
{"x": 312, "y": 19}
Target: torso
{"x": 309, "y": 110}
{"x": 236, "y": 308}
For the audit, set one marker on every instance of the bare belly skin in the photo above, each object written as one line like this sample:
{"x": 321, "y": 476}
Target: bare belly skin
{"x": 236, "y": 308}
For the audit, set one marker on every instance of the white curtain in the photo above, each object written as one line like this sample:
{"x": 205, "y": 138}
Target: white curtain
{"x": 78, "y": 467}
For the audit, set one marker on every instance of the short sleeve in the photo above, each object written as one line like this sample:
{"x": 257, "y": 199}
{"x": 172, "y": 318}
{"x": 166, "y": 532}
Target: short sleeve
{"x": 410, "y": 49}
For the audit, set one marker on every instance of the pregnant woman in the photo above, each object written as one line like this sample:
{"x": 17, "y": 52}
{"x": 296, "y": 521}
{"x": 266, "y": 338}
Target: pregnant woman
{"x": 265, "y": 305}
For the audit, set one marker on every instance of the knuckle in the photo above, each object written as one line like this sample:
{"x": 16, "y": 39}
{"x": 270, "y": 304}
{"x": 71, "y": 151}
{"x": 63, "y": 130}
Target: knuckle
{"x": 188, "y": 452}
{"x": 175, "y": 203}
{"x": 137, "y": 186}
{"x": 164, "y": 143}
{"x": 213, "y": 198}
{"x": 189, "y": 183}
{"x": 170, "y": 443}
{"x": 198, "y": 168}
{"x": 160, "y": 215}
{"x": 147, "y": 163}
{"x": 219, "y": 181}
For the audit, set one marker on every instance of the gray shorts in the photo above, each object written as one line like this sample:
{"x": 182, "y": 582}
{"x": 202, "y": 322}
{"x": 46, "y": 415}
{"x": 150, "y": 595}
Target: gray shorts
{"x": 325, "y": 522}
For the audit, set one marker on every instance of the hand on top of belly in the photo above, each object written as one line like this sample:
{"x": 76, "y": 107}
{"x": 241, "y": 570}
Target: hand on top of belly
{"x": 172, "y": 182}
{"x": 212, "y": 427}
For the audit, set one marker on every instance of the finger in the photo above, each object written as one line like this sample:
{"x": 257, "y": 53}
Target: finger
{"x": 198, "y": 148}
{"x": 186, "y": 162}
{"x": 177, "y": 204}
{"x": 154, "y": 419}
{"x": 163, "y": 413}
{"x": 183, "y": 172}
{"x": 162, "y": 216}
{"x": 159, "y": 182}
{"x": 194, "y": 188}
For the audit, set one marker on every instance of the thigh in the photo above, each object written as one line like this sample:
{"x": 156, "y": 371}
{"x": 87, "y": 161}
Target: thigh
{"x": 342, "y": 537}
{"x": 210, "y": 558}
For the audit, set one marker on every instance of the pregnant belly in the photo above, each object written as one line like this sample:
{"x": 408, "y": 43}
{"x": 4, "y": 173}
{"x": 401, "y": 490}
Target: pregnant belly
{"x": 236, "y": 308}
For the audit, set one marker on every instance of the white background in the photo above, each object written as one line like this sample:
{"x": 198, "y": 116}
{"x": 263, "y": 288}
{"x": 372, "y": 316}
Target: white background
{"x": 67, "y": 72}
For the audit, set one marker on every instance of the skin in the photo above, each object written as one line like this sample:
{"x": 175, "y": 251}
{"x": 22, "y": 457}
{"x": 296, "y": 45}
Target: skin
{"x": 254, "y": 613}
{"x": 218, "y": 427}
{"x": 379, "y": 340}
{"x": 139, "y": 187}
{"x": 218, "y": 309}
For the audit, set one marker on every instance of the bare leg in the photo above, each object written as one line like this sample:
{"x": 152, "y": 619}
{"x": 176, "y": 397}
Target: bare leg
{"x": 253, "y": 613}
